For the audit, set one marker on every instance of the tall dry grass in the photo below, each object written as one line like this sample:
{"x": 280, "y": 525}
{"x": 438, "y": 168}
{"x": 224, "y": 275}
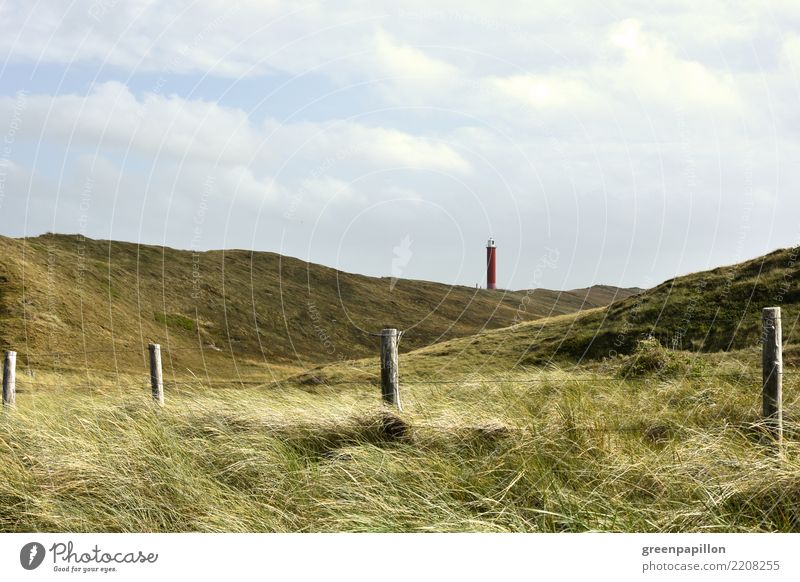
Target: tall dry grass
{"x": 545, "y": 451}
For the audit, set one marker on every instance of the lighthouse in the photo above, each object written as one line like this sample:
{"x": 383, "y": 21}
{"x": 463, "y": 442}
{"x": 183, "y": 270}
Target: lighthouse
{"x": 491, "y": 264}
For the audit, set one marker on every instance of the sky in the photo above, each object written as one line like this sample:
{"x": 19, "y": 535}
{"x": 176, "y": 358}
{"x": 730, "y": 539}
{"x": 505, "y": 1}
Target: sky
{"x": 619, "y": 143}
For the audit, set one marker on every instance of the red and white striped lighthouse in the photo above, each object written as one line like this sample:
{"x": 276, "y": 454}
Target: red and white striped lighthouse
{"x": 491, "y": 265}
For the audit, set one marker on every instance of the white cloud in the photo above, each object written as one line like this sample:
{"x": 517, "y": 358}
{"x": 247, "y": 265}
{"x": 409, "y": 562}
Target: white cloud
{"x": 111, "y": 116}
{"x": 639, "y": 71}
{"x": 657, "y": 74}
{"x": 385, "y": 146}
{"x": 394, "y": 59}
{"x": 544, "y": 92}
{"x": 240, "y": 184}
{"x": 408, "y": 75}
{"x": 327, "y": 188}
{"x": 346, "y": 143}
{"x": 791, "y": 51}
{"x": 224, "y": 39}
{"x": 181, "y": 129}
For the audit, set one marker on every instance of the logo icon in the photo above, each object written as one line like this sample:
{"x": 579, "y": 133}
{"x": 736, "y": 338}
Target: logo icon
{"x": 31, "y": 555}
{"x": 402, "y": 255}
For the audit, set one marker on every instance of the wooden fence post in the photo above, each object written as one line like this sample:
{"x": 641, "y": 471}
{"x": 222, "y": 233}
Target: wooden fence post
{"x": 390, "y": 389}
{"x": 772, "y": 370}
{"x": 10, "y": 379}
{"x": 156, "y": 377}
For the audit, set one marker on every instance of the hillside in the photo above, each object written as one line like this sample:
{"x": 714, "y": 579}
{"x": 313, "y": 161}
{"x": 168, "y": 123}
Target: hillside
{"x": 717, "y": 310}
{"x": 483, "y": 443}
{"x": 96, "y": 304}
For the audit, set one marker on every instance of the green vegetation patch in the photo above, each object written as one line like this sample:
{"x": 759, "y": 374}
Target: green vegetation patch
{"x": 650, "y": 358}
{"x": 175, "y": 320}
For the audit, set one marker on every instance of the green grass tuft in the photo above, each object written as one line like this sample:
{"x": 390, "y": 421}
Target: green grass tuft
{"x": 175, "y": 320}
{"x": 651, "y": 359}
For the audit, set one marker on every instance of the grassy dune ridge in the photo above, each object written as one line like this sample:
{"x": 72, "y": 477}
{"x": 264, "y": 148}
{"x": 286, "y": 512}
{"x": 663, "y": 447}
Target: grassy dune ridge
{"x": 96, "y": 304}
{"x": 710, "y": 311}
{"x": 717, "y": 311}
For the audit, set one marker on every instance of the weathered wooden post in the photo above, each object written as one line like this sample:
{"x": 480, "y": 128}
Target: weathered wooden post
{"x": 10, "y": 379}
{"x": 156, "y": 377}
{"x": 772, "y": 370}
{"x": 390, "y": 389}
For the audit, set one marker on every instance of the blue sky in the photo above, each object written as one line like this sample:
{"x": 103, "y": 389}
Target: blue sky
{"x": 634, "y": 141}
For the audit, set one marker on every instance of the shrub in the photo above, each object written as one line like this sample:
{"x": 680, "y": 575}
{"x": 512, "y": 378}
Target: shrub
{"x": 650, "y": 358}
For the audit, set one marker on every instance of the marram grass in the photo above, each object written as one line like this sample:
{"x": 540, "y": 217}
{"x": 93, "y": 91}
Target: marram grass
{"x": 544, "y": 452}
